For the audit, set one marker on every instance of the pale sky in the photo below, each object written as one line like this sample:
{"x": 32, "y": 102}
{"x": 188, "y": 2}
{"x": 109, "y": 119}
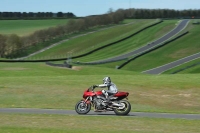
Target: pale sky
{"x": 92, "y": 7}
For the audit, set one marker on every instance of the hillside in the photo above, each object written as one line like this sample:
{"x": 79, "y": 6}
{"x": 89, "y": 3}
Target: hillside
{"x": 88, "y": 41}
{"x": 173, "y": 51}
{"x": 133, "y": 43}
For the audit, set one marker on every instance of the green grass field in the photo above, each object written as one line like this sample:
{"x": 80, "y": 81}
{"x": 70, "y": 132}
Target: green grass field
{"x": 26, "y": 27}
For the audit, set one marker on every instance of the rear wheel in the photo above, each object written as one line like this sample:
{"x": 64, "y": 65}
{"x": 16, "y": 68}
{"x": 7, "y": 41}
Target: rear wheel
{"x": 125, "y": 110}
{"x": 82, "y": 107}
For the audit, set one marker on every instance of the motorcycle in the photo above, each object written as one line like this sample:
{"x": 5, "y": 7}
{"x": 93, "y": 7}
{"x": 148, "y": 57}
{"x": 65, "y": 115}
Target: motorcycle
{"x": 98, "y": 101}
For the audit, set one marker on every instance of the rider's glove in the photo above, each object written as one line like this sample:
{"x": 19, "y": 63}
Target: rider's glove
{"x": 95, "y": 86}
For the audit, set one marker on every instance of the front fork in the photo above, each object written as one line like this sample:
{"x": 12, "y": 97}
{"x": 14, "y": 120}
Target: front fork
{"x": 87, "y": 100}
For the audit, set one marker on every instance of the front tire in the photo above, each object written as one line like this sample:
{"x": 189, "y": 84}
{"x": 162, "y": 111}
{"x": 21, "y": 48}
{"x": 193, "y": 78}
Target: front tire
{"x": 82, "y": 108}
{"x": 125, "y": 110}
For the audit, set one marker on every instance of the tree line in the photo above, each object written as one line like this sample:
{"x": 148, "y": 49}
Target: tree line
{"x": 161, "y": 13}
{"x": 14, "y": 44}
{"x": 32, "y": 15}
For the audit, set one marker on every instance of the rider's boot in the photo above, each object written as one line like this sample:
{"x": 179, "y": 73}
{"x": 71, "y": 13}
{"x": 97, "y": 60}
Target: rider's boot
{"x": 108, "y": 100}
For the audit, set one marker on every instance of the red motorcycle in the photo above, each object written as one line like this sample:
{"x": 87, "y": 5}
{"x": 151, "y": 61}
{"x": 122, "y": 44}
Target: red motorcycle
{"x": 98, "y": 101}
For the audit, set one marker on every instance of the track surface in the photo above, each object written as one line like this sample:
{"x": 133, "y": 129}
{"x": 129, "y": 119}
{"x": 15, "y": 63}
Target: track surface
{"x": 92, "y": 113}
{"x": 168, "y": 66}
{"x": 164, "y": 38}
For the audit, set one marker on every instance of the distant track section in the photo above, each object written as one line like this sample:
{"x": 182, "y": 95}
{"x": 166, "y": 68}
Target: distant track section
{"x": 185, "y": 68}
{"x": 150, "y": 50}
{"x": 161, "y": 69}
{"x": 164, "y": 38}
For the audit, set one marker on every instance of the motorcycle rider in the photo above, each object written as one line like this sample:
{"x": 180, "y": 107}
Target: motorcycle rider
{"x": 112, "y": 88}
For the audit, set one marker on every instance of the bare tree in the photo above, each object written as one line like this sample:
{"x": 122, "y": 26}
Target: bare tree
{"x": 2, "y": 45}
{"x": 81, "y": 25}
{"x": 13, "y": 43}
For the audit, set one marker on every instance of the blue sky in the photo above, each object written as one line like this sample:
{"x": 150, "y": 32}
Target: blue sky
{"x": 92, "y": 7}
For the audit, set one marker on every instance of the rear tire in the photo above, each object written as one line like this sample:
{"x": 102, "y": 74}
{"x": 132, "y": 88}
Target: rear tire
{"x": 125, "y": 110}
{"x": 82, "y": 108}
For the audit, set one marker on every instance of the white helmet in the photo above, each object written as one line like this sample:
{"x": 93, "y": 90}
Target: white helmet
{"x": 106, "y": 80}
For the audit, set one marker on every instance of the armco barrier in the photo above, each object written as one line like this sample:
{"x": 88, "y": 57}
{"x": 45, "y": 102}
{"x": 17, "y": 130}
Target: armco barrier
{"x": 46, "y": 60}
{"x": 90, "y": 52}
{"x": 98, "y": 63}
{"x": 149, "y": 50}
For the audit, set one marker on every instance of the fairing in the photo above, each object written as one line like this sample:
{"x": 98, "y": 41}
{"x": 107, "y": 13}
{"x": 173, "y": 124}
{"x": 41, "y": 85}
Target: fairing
{"x": 88, "y": 93}
{"x": 121, "y": 94}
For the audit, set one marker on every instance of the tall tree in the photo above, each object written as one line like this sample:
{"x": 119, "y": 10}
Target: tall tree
{"x": 24, "y": 15}
{"x": 60, "y": 14}
{"x": 68, "y": 15}
{"x": 5, "y": 15}
{"x": 30, "y": 14}
{"x": 38, "y": 14}
{"x": 19, "y": 14}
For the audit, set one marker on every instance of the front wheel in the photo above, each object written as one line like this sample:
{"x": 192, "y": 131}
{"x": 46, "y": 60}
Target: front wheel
{"x": 125, "y": 110}
{"x": 82, "y": 107}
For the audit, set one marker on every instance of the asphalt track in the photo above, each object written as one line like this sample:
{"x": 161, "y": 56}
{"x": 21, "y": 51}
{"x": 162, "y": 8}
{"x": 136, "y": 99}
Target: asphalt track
{"x": 161, "y": 69}
{"x": 92, "y": 113}
{"x": 164, "y": 38}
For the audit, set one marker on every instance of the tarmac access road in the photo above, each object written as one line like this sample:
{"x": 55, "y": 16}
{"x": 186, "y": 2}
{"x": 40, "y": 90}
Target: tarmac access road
{"x": 92, "y": 113}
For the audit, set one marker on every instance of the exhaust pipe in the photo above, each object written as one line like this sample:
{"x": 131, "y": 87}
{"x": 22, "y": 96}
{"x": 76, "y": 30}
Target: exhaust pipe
{"x": 116, "y": 104}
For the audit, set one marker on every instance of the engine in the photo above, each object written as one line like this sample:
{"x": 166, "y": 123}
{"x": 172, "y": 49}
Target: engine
{"x": 99, "y": 105}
